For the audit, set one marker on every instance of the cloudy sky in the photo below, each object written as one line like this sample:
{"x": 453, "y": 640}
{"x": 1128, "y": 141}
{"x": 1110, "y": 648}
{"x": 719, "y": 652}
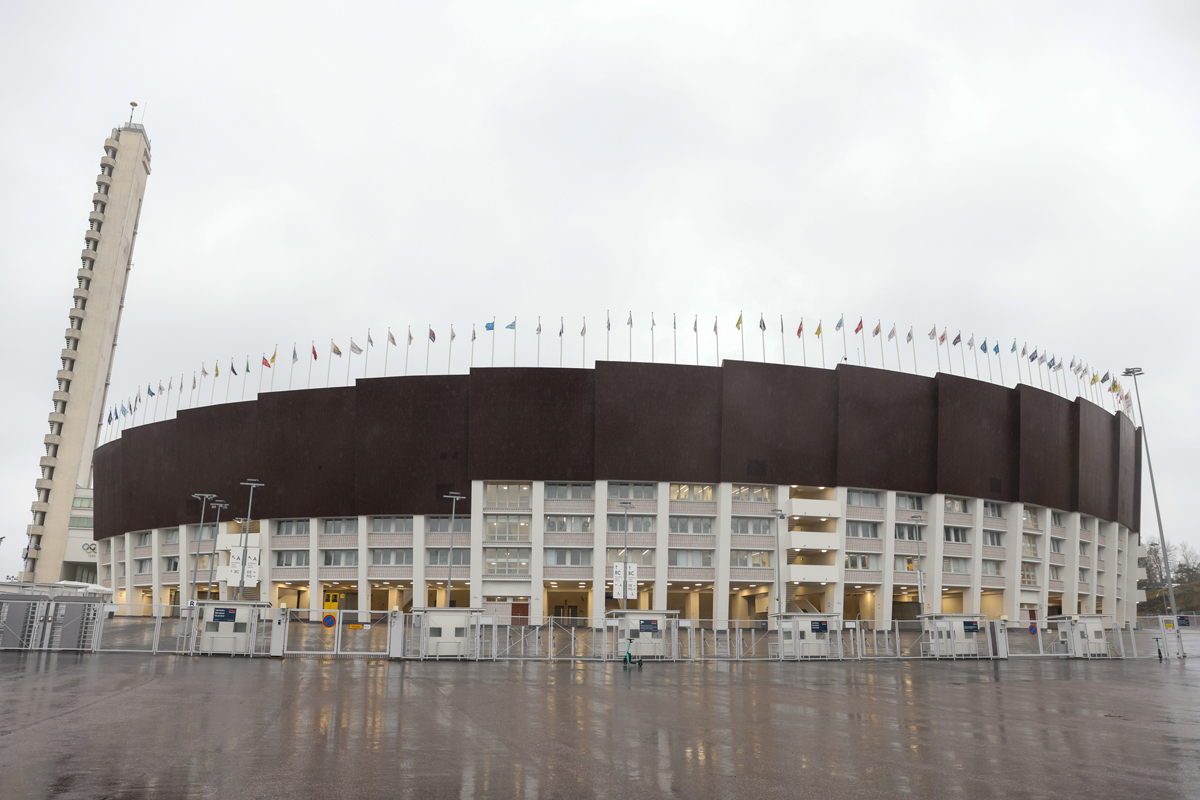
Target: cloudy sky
{"x": 1016, "y": 171}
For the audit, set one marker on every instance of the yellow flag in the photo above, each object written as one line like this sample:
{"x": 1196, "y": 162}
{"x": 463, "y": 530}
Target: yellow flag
{"x": 739, "y": 322}
{"x": 216, "y": 370}
{"x": 273, "y": 354}
{"x": 818, "y": 329}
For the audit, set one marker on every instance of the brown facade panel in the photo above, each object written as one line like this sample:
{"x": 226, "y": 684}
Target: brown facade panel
{"x": 1049, "y": 449}
{"x": 887, "y": 430}
{"x": 411, "y": 440}
{"x": 778, "y": 424}
{"x": 1126, "y": 466}
{"x": 978, "y": 424}
{"x": 305, "y": 459}
{"x": 1098, "y": 458}
{"x": 217, "y": 448}
{"x": 656, "y": 421}
{"x": 152, "y": 463}
{"x": 532, "y": 424}
{"x": 109, "y": 485}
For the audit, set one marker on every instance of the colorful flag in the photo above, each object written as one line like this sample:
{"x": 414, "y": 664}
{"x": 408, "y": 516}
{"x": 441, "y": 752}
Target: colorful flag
{"x": 110, "y": 416}
{"x": 910, "y": 336}
{"x": 652, "y": 322}
{"x": 1105, "y": 378}
{"x": 160, "y": 389}
{"x": 472, "y": 332}
{"x": 489, "y": 326}
{"x": 1024, "y": 348}
{"x": 942, "y": 338}
{"x": 314, "y": 347}
{"x": 337, "y": 351}
{"x": 410, "y": 339}
{"x": 933, "y": 333}
{"x": 296, "y": 357}
{"x": 957, "y": 338}
{"x": 984, "y": 348}
{"x": 538, "y": 330}
{"x": 714, "y": 324}
{"x": 800, "y": 330}
{"x": 247, "y": 365}
{"x": 512, "y": 326}
{"x": 216, "y": 369}
{"x": 971, "y": 342}
{"x": 1072, "y": 363}
{"x": 432, "y": 335}
{"x": 738, "y": 324}
{"x": 194, "y": 379}
{"x": 762, "y": 324}
{"x": 818, "y": 328}
{"x": 392, "y": 339}
{"x": 1032, "y": 356}
{"x": 1095, "y": 379}
{"x": 124, "y": 413}
{"x": 1051, "y": 364}
{"x": 355, "y": 349}
{"x": 696, "y": 324}
{"x": 608, "y": 320}
{"x": 1014, "y": 347}
{"x": 583, "y": 331}
{"x": 149, "y": 391}
{"x": 266, "y": 363}
{"x": 629, "y": 321}
{"x": 838, "y": 327}
{"x": 274, "y": 353}
{"x": 560, "y": 327}
{"x": 859, "y": 327}
{"x": 996, "y": 348}
{"x": 453, "y": 335}
{"x": 1041, "y": 359}
{"x": 232, "y": 367}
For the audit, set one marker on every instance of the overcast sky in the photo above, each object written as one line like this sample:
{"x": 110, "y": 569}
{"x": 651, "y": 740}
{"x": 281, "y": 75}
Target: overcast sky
{"x": 1018, "y": 171}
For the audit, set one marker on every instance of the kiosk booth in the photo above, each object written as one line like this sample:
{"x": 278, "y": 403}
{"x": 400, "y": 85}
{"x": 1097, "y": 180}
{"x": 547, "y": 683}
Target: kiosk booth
{"x": 446, "y": 633}
{"x": 804, "y": 635}
{"x": 954, "y": 636}
{"x": 1082, "y": 635}
{"x": 230, "y": 627}
{"x": 642, "y": 633}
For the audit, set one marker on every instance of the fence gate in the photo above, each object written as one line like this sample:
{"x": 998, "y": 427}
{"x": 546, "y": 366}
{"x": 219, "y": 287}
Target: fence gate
{"x": 21, "y": 620}
{"x": 72, "y": 624}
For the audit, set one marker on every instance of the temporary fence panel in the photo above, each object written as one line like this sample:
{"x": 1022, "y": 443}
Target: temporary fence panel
{"x": 574, "y": 638}
{"x": 128, "y": 628}
{"x": 72, "y": 624}
{"x": 310, "y": 632}
{"x": 21, "y": 621}
{"x": 364, "y": 634}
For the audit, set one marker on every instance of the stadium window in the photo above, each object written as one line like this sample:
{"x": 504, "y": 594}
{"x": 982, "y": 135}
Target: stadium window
{"x": 343, "y": 525}
{"x": 1083, "y": 576}
{"x": 749, "y": 558}
{"x": 689, "y": 558}
{"x": 562, "y": 557}
{"x": 439, "y": 556}
{"x": 171, "y": 564}
{"x": 992, "y": 510}
{"x": 442, "y": 524}
{"x": 1056, "y": 518}
{"x": 637, "y": 555}
{"x": 909, "y": 533}
{"x": 569, "y": 491}
{"x": 81, "y": 522}
{"x": 506, "y": 561}
{"x": 955, "y": 565}
{"x": 1055, "y": 573}
{"x": 992, "y": 568}
{"x": 638, "y": 523}
{"x": 956, "y": 505}
{"x": 292, "y": 558}
{"x": 83, "y": 502}
{"x": 1028, "y": 574}
{"x": 171, "y": 536}
{"x": 858, "y": 561}
{"x": 691, "y": 491}
{"x": 1029, "y": 544}
{"x": 339, "y": 558}
{"x": 144, "y": 566}
{"x": 751, "y": 526}
{"x": 909, "y": 502}
{"x": 690, "y": 524}
{"x": 399, "y": 556}
{"x": 631, "y": 491}
{"x": 958, "y": 535}
{"x": 506, "y": 528}
{"x": 391, "y": 524}
{"x": 1055, "y": 545}
{"x": 566, "y": 524}
{"x": 292, "y": 527}
{"x": 993, "y": 538}
{"x": 1030, "y": 518}
{"x": 907, "y": 563}
{"x": 752, "y": 494}
{"x": 204, "y": 533}
{"x": 507, "y": 495}
{"x": 863, "y": 530}
{"x": 856, "y": 497}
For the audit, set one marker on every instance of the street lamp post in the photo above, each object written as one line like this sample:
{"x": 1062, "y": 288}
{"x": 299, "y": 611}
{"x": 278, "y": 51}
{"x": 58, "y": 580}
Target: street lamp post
{"x": 916, "y": 521}
{"x": 203, "y": 498}
{"x": 1133, "y": 372}
{"x": 453, "y": 497}
{"x": 253, "y": 484}
{"x": 781, "y": 519}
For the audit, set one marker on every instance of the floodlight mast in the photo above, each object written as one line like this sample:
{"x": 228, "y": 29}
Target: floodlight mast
{"x": 453, "y": 497}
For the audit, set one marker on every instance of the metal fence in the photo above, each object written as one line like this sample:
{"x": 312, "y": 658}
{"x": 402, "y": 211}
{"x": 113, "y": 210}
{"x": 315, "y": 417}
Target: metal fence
{"x": 89, "y": 624}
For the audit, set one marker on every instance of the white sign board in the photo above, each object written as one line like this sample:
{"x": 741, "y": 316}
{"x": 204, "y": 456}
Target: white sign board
{"x": 618, "y": 592}
{"x": 631, "y": 592}
{"x": 235, "y": 566}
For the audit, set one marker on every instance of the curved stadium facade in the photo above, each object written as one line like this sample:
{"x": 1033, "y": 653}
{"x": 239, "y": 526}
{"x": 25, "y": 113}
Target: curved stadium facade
{"x": 837, "y": 485}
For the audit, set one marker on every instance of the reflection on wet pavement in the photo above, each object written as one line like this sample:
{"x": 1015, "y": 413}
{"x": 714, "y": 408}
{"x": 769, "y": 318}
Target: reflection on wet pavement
{"x": 137, "y": 726}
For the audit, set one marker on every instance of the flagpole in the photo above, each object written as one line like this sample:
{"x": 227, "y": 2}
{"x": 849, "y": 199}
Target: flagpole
{"x": 313, "y": 357}
{"x": 718, "y": 338}
{"x": 674, "y": 339}
{"x": 261, "y": 365}
{"x": 782, "y": 339}
{"x": 899, "y": 366}
{"x": 408, "y": 347}
{"x": 329, "y": 369}
{"x": 470, "y": 367}
{"x": 936, "y": 348}
{"x": 608, "y": 335}
{"x": 845, "y": 342}
{"x": 514, "y": 341}
{"x": 449, "y": 349}
{"x": 167, "y": 410}
{"x": 274, "y": 353}
{"x": 988, "y": 354}
{"x": 349, "y": 358}
{"x": 428, "y": 344}
{"x": 157, "y": 397}
{"x": 1077, "y": 391}
{"x": 493, "y": 341}
{"x": 584, "y": 335}
{"x": 561, "y": 330}
{"x": 821, "y": 338}
{"x": 742, "y": 332}
{"x": 1039, "y": 366}
{"x": 630, "y": 326}
{"x": 367, "y": 354}
{"x": 962, "y": 354}
{"x": 975, "y": 356}
{"x": 212, "y": 393}
{"x": 762, "y": 334}
{"x": 913, "y": 341}
{"x": 696, "y": 333}
{"x": 803, "y": 345}
{"x": 651, "y": 337}
{"x": 949, "y": 355}
{"x": 189, "y": 392}
{"x": 538, "y": 335}
{"x": 388, "y": 343}
{"x": 1017, "y": 356}
{"x": 1000, "y": 363}
{"x": 879, "y": 327}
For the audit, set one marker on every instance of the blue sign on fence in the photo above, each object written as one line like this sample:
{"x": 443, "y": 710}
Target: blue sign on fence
{"x": 1033, "y": 630}
{"x": 648, "y": 625}
{"x": 820, "y": 627}
{"x": 970, "y": 627}
{"x": 224, "y": 614}
{"x": 1185, "y": 622}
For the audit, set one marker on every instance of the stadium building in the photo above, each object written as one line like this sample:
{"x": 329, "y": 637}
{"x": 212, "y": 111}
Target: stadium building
{"x": 843, "y": 488}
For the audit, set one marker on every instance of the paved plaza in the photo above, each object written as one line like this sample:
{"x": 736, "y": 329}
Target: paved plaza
{"x": 133, "y": 726}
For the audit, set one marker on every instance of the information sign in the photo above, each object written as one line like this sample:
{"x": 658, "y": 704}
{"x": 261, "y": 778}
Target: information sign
{"x": 631, "y": 592}
{"x": 820, "y": 627}
{"x": 354, "y": 627}
{"x": 970, "y": 627}
{"x": 224, "y": 614}
{"x": 1185, "y": 622}
{"x": 618, "y": 579}
{"x": 1033, "y": 630}
{"x": 648, "y": 625}
{"x": 329, "y": 620}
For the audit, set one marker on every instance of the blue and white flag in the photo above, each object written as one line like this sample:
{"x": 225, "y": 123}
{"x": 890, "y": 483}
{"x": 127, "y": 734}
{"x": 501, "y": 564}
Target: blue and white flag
{"x": 512, "y": 326}
{"x": 1033, "y": 356}
{"x": 984, "y": 348}
{"x": 490, "y": 326}
{"x": 149, "y": 391}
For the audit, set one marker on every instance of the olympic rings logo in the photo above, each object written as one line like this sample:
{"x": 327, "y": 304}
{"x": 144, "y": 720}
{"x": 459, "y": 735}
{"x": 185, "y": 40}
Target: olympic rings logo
{"x": 89, "y": 547}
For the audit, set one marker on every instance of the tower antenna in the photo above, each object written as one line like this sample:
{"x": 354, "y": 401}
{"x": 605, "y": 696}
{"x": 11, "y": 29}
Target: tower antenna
{"x": 132, "y": 106}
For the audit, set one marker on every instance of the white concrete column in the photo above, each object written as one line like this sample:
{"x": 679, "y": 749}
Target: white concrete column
{"x": 937, "y": 532}
{"x": 723, "y": 528}
{"x": 1071, "y": 553}
{"x": 364, "y": 559}
{"x": 476, "y": 544}
{"x": 971, "y": 595}
{"x": 838, "y": 592}
{"x": 600, "y": 569}
{"x": 156, "y": 568}
{"x": 662, "y": 529}
{"x": 315, "y": 598}
{"x": 1012, "y": 560}
{"x": 537, "y": 553}
{"x": 420, "y": 593}
{"x": 883, "y": 597}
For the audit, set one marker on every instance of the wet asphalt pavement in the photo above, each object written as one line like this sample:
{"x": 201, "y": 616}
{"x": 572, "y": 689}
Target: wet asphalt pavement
{"x": 133, "y": 726}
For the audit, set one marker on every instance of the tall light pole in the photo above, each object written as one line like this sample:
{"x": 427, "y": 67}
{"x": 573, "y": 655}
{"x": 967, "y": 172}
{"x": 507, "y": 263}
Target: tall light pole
{"x": 1133, "y": 372}
{"x": 212, "y": 559}
{"x": 626, "y": 505}
{"x": 453, "y": 497}
{"x": 203, "y": 498}
{"x": 781, "y": 518}
{"x": 253, "y": 484}
{"x": 916, "y": 522}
